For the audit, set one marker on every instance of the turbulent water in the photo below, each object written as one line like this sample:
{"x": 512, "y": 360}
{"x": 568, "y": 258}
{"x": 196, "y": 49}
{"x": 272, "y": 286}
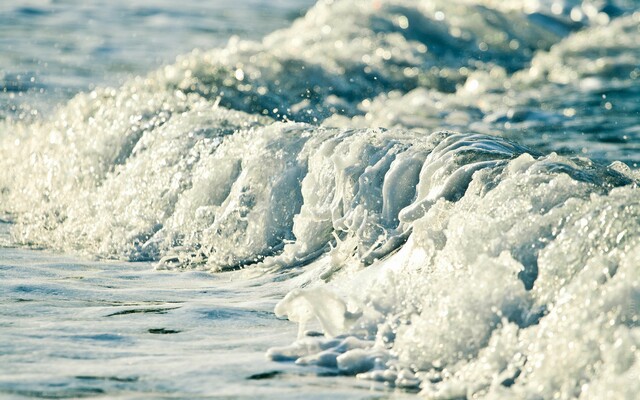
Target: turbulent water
{"x": 453, "y": 185}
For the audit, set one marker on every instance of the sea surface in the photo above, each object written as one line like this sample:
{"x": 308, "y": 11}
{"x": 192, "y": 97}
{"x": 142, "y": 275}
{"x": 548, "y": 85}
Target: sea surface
{"x": 345, "y": 199}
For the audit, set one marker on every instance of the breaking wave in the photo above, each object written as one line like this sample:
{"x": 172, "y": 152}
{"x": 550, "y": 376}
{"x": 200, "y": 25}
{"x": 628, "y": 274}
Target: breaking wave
{"x": 492, "y": 262}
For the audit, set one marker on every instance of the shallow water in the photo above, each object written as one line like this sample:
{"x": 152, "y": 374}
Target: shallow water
{"x": 125, "y": 330}
{"x": 73, "y": 328}
{"x": 443, "y": 196}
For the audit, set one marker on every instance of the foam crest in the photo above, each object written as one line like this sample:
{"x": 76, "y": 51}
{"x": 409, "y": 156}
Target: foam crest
{"x": 489, "y": 294}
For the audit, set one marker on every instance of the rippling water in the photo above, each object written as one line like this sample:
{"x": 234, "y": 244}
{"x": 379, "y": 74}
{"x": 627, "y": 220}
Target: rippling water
{"x": 53, "y": 49}
{"x": 442, "y": 195}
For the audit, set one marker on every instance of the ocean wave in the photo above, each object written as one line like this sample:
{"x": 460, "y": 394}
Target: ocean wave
{"x": 489, "y": 262}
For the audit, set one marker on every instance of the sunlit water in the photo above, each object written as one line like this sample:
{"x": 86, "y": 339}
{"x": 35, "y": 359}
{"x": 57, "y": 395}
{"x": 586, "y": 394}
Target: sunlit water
{"x": 442, "y": 195}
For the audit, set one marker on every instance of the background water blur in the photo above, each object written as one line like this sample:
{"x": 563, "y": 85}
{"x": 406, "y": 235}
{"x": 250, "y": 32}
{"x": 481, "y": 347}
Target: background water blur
{"x": 51, "y": 49}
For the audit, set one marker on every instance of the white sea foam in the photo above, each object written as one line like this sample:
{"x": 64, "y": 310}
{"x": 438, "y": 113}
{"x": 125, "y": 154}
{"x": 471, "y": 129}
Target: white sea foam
{"x": 463, "y": 264}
